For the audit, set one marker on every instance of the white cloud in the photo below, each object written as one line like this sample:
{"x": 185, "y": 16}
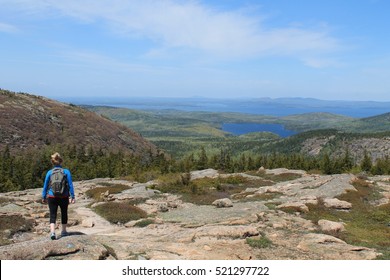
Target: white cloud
{"x": 7, "y": 28}
{"x": 191, "y": 25}
{"x": 320, "y": 62}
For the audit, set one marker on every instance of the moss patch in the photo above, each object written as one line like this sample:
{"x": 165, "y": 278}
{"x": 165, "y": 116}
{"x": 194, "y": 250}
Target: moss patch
{"x": 120, "y": 212}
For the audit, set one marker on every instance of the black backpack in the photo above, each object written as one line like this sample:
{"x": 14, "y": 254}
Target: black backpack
{"x": 59, "y": 182}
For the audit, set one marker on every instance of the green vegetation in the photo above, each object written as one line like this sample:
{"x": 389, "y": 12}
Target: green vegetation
{"x": 259, "y": 242}
{"x": 194, "y": 140}
{"x": 366, "y": 224}
{"x": 11, "y": 224}
{"x": 180, "y": 133}
{"x": 201, "y": 191}
{"x": 120, "y": 212}
{"x": 28, "y": 169}
{"x": 144, "y": 223}
{"x": 117, "y": 212}
{"x": 206, "y": 190}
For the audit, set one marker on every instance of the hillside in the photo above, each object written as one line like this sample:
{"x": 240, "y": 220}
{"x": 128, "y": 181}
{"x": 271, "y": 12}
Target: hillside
{"x": 314, "y": 121}
{"x": 335, "y": 143}
{"x": 29, "y": 121}
{"x": 182, "y": 132}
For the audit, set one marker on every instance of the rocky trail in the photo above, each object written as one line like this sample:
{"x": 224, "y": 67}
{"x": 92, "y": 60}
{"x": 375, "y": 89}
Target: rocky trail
{"x": 181, "y": 230}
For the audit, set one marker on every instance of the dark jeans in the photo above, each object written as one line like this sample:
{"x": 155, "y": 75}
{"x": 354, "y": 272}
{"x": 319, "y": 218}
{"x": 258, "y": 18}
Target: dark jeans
{"x": 63, "y": 203}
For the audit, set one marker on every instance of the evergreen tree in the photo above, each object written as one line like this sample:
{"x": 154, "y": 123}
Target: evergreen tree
{"x": 347, "y": 162}
{"x": 251, "y": 163}
{"x": 202, "y": 162}
{"x": 326, "y": 164}
{"x": 366, "y": 163}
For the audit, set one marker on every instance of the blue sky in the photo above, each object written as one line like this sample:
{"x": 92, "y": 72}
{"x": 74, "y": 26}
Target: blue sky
{"x": 325, "y": 49}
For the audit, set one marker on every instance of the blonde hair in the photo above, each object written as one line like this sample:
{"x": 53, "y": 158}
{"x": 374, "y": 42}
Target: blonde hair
{"x": 56, "y": 159}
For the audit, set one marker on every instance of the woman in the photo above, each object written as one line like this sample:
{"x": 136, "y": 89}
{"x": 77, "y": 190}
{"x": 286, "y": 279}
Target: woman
{"x": 55, "y": 200}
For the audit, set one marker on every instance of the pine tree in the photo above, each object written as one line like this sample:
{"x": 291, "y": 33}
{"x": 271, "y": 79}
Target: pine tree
{"x": 347, "y": 162}
{"x": 326, "y": 164}
{"x": 202, "y": 162}
{"x": 366, "y": 163}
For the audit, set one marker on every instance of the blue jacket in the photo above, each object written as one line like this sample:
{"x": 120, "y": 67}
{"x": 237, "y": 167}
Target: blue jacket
{"x": 47, "y": 191}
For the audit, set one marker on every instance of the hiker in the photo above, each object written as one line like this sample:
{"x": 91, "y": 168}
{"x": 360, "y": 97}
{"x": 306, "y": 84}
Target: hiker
{"x": 58, "y": 191}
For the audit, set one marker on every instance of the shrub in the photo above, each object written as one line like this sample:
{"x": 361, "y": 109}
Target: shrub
{"x": 120, "y": 212}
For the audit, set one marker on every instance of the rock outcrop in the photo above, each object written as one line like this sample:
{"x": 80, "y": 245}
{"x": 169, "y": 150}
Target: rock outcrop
{"x": 75, "y": 247}
{"x": 180, "y": 230}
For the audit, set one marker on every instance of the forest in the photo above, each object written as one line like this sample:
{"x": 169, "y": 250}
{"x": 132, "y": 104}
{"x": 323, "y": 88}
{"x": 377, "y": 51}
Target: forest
{"x": 28, "y": 169}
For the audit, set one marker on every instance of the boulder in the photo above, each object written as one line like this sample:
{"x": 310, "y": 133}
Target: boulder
{"x": 163, "y": 207}
{"x": 279, "y": 171}
{"x": 88, "y": 223}
{"x": 223, "y": 203}
{"x": 12, "y": 208}
{"x": 209, "y": 173}
{"x": 332, "y": 248}
{"x": 261, "y": 170}
{"x": 294, "y": 206}
{"x": 337, "y": 204}
{"x": 309, "y": 199}
{"x": 330, "y": 227}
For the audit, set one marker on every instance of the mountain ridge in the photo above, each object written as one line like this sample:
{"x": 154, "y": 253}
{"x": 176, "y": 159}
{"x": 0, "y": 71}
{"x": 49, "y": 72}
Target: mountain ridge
{"x": 30, "y": 121}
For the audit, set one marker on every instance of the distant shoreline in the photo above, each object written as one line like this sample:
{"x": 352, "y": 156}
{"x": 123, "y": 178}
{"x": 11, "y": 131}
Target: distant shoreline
{"x": 264, "y": 106}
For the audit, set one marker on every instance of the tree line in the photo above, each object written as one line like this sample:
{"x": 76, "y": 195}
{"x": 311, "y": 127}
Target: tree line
{"x": 325, "y": 164}
{"x": 28, "y": 170}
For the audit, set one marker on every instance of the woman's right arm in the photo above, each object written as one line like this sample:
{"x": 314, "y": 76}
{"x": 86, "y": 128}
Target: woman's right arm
{"x": 45, "y": 186}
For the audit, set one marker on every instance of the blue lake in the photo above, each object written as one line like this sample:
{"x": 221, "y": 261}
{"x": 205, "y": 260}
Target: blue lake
{"x": 244, "y": 128}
